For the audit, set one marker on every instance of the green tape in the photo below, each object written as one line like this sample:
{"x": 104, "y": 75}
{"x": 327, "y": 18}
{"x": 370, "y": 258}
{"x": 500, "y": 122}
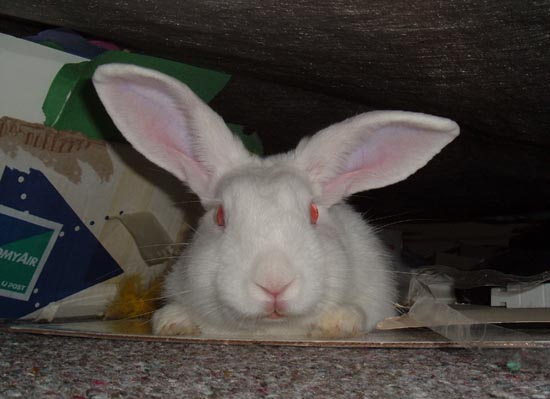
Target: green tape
{"x": 72, "y": 103}
{"x": 62, "y": 92}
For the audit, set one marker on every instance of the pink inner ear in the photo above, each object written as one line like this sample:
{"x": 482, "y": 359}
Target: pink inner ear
{"x": 157, "y": 117}
{"x": 383, "y": 157}
{"x": 365, "y": 157}
{"x": 164, "y": 126}
{"x": 165, "y": 121}
{"x": 380, "y": 154}
{"x": 146, "y": 110}
{"x": 362, "y": 162}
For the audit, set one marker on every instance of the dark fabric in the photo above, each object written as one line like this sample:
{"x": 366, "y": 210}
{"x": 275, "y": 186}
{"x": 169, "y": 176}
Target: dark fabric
{"x": 300, "y": 65}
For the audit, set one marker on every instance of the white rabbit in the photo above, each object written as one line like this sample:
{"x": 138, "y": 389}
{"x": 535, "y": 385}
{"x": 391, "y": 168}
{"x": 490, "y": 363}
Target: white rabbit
{"x": 277, "y": 251}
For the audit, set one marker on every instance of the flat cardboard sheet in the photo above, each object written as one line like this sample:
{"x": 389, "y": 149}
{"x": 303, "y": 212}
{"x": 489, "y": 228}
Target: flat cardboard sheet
{"x": 482, "y": 314}
{"x": 409, "y": 338}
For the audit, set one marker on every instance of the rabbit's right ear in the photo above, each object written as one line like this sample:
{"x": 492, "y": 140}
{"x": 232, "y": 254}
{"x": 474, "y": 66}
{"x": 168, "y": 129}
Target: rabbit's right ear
{"x": 371, "y": 150}
{"x": 165, "y": 121}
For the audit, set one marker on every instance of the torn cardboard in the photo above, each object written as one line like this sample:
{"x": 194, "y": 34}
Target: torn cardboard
{"x": 86, "y": 186}
{"x": 62, "y": 151}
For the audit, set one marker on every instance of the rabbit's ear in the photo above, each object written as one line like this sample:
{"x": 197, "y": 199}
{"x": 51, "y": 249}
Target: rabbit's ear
{"x": 165, "y": 121}
{"x": 371, "y": 150}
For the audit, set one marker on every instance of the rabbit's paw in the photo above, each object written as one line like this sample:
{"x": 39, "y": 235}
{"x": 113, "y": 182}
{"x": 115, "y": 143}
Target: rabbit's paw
{"x": 173, "y": 319}
{"x": 339, "y": 322}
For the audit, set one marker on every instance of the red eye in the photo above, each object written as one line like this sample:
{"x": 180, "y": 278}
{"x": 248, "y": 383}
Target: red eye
{"x": 220, "y": 217}
{"x": 313, "y": 213}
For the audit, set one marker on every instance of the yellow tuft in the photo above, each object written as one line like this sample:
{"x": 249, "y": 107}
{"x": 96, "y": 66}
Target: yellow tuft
{"x": 133, "y": 300}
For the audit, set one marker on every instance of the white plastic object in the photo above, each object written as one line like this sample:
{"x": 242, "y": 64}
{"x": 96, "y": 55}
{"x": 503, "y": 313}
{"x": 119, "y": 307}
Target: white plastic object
{"x": 521, "y": 296}
{"x": 440, "y": 288}
{"x": 443, "y": 291}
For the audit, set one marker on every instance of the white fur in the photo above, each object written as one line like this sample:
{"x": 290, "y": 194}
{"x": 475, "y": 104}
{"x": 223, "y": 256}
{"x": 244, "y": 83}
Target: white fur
{"x": 270, "y": 270}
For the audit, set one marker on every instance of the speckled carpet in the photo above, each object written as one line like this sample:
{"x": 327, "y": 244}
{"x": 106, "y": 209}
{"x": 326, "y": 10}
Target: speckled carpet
{"x": 33, "y": 366}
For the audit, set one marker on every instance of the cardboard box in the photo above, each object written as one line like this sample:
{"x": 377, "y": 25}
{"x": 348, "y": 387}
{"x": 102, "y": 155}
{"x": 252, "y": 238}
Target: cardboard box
{"x": 28, "y": 70}
{"x": 70, "y": 208}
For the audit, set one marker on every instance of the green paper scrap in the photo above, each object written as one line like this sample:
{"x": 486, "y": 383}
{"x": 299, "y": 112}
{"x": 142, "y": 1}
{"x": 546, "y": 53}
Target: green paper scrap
{"x": 72, "y": 103}
{"x": 514, "y": 364}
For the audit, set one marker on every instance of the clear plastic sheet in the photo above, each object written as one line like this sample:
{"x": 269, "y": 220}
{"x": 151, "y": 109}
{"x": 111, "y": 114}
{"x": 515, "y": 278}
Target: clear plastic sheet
{"x": 455, "y": 326}
{"x": 468, "y": 279}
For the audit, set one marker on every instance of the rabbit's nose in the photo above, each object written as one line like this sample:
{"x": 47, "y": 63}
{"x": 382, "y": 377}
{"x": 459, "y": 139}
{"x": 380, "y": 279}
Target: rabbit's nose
{"x": 275, "y": 290}
{"x": 275, "y": 305}
{"x": 273, "y": 273}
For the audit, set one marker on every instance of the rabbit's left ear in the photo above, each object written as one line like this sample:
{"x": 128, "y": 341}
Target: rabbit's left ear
{"x": 165, "y": 121}
{"x": 371, "y": 150}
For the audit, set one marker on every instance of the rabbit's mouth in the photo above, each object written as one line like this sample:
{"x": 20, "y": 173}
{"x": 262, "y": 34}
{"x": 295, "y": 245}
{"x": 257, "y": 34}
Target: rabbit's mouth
{"x": 275, "y": 315}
